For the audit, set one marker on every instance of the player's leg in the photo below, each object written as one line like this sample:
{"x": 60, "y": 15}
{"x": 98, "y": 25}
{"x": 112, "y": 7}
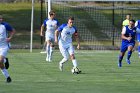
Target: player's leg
{"x": 3, "y": 69}
{"x": 138, "y": 39}
{"x": 121, "y": 55}
{"x": 48, "y": 48}
{"x": 139, "y": 49}
{"x": 123, "y": 49}
{"x": 51, "y": 52}
{"x": 51, "y": 49}
{"x": 6, "y": 63}
{"x": 72, "y": 56}
{"x": 48, "y": 40}
{"x": 129, "y": 53}
{"x": 64, "y": 53}
{"x": 74, "y": 61}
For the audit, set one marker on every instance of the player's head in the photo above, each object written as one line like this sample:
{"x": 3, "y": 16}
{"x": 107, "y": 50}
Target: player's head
{"x": 128, "y": 16}
{"x": 70, "y": 21}
{"x": 52, "y": 14}
{"x": 1, "y": 18}
{"x": 131, "y": 23}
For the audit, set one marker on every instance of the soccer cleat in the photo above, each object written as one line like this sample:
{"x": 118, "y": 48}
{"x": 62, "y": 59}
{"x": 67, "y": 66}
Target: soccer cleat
{"x": 139, "y": 55}
{"x": 8, "y": 80}
{"x": 7, "y": 63}
{"x": 50, "y": 61}
{"x": 47, "y": 59}
{"x": 120, "y": 64}
{"x": 61, "y": 66}
{"x": 128, "y": 61}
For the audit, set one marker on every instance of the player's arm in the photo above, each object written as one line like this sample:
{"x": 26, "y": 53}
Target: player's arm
{"x": 56, "y": 36}
{"x": 58, "y": 31}
{"x": 123, "y": 35}
{"x": 12, "y": 32}
{"x": 77, "y": 39}
{"x": 42, "y": 29}
{"x": 136, "y": 23}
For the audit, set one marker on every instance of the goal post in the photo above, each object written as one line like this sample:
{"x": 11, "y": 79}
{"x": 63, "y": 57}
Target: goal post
{"x": 93, "y": 19}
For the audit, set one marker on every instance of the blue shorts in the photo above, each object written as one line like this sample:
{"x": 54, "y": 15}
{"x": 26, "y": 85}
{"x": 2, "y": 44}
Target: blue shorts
{"x": 138, "y": 37}
{"x": 125, "y": 45}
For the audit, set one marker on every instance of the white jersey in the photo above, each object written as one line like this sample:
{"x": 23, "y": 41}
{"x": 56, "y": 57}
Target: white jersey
{"x": 51, "y": 26}
{"x": 65, "y": 37}
{"x": 4, "y": 45}
{"x": 4, "y": 27}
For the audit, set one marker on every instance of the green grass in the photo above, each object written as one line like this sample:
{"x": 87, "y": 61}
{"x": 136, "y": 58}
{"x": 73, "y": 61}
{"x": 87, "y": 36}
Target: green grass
{"x": 100, "y": 74}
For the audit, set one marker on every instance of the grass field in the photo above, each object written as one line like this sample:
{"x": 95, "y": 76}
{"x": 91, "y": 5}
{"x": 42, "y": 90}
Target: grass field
{"x": 100, "y": 74}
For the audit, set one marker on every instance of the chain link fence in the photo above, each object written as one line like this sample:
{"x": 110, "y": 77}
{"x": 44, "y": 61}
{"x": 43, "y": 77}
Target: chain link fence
{"x": 99, "y": 23}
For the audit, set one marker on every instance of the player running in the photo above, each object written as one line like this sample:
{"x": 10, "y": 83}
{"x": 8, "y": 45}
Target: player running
{"x": 51, "y": 25}
{"x": 128, "y": 41}
{"x": 64, "y": 41}
{"x": 137, "y": 25}
{"x": 4, "y": 47}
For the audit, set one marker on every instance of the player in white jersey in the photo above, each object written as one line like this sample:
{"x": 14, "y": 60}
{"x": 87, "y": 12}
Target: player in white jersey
{"x": 64, "y": 40}
{"x": 51, "y": 25}
{"x": 137, "y": 25}
{"x": 4, "y": 46}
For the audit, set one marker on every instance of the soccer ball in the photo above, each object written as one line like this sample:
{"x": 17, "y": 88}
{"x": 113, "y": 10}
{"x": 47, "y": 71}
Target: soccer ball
{"x": 75, "y": 70}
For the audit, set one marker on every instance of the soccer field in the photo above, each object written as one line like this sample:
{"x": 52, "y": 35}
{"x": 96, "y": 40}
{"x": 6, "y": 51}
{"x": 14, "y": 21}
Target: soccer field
{"x": 32, "y": 74}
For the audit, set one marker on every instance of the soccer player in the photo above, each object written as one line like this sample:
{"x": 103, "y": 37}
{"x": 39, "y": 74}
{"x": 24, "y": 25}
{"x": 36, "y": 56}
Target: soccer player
{"x": 126, "y": 21}
{"x": 51, "y": 24}
{"x": 137, "y": 25}
{"x": 128, "y": 41}
{"x": 63, "y": 36}
{"x": 4, "y": 47}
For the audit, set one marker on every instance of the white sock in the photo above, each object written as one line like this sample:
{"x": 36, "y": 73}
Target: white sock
{"x": 74, "y": 63}
{"x": 4, "y": 60}
{"x": 51, "y": 51}
{"x": 5, "y": 73}
{"x": 48, "y": 50}
{"x": 63, "y": 60}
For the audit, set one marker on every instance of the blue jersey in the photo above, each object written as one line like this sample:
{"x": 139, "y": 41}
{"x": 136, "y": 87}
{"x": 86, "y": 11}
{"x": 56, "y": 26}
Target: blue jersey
{"x": 66, "y": 33}
{"x": 138, "y": 24}
{"x": 130, "y": 33}
{"x": 125, "y": 43}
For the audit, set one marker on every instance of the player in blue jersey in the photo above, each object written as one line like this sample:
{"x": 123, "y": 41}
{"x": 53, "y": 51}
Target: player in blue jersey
{"x": 4, "y": 46}
{"x": 51, "y": 24}
{"x": 128, "y": 41}
{"x": 137, "y": 25}
{"x": 63, "y": 36}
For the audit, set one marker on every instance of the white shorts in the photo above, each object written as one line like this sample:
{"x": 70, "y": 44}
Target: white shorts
{"x": 4, "y": 51}
{"x": 66, "y": 50}
{"x": 49, "y": 37}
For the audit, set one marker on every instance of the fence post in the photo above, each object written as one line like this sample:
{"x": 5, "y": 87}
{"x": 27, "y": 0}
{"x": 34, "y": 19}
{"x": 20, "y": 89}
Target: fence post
{"x": 113, "y": 28}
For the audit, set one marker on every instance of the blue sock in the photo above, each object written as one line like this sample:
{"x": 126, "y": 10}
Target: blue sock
{"x": 120, "y": 58}
{"x": 129, "y": 54}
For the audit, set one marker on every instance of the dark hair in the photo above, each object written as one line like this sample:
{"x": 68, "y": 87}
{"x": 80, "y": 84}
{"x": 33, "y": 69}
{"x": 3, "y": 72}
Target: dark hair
{"x": 132, "y": 20}
{"x": 51, "y": 12}
{"x": 71, "y": 18}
